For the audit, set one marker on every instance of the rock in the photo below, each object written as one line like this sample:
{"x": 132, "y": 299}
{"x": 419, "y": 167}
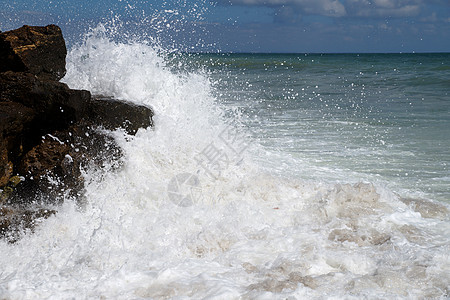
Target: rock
{"x": 53, "y": 169}
{"x": 31, "y": 107}
{"x": 15, "y": 118}
{"x": 113, "y": 114}
{"x": 9, "y": 188}
{"x": 55, "y": 105}
{"x": 6, "y": 167}
{"x": 49, "y": 133}
{"x": 38, "y": 50}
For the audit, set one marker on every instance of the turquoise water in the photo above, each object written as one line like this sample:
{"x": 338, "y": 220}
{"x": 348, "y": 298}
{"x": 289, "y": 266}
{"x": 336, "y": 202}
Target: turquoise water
{"x": 381, "y": 118}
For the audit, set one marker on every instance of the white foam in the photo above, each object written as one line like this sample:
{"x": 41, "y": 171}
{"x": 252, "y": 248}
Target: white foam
{"x": 248, "y": 233}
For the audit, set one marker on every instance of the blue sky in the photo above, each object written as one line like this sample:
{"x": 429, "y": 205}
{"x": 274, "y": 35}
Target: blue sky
{"x": 320, "y": 26}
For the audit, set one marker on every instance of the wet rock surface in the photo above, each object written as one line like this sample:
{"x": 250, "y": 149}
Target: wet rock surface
{"x": 49, "y": 132}
{"x": 53, "y": 168}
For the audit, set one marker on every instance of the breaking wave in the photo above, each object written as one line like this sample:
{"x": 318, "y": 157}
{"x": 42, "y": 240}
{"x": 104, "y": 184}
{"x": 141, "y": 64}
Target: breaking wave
{"x": 196, "y": 212}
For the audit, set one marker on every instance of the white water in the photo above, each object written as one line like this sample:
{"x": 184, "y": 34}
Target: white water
{"x": 248, "y": 233}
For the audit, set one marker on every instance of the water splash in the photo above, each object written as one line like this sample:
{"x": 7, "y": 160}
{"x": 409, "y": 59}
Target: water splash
{"x": 249, "y": 234}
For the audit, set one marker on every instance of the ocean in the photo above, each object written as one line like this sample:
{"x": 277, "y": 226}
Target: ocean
{"x": 266, "y": 176}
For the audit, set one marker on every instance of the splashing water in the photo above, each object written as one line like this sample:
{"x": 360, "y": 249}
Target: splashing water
{"x": 243, "y": 233}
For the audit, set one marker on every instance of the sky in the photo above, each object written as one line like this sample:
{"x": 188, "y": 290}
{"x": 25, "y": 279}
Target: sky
{"x": 274, "y": 26}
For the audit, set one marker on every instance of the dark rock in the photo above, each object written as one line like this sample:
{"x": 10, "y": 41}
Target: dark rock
{"x": 56, "y": 107}
{"x": 38, "y": 50}
{"x": 30, "y": 108}
{"x": 6, "y": 166}
{"x": 14, "y": 119}
{"x": 52, "y": 169}
{"x": 54, "y": 104}
{"x": 49, "y": 133}
{"x": 113, "y": 114}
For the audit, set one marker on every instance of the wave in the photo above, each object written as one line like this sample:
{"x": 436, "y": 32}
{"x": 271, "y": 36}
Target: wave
{"x": 197, "y": 211}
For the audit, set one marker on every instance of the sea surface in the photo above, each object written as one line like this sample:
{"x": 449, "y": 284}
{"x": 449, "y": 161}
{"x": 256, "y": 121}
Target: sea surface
{"x": 381, "y": 118}
{"x": 266, "y": 176}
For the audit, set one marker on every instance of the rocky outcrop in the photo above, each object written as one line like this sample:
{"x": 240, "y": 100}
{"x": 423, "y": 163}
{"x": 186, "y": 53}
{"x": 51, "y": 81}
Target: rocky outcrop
{"x": 49, "y": 132}
{"x": 45, "y": 97}
{"x": 113, "y": 114}
{"x": 14, "y": 119}
{"x": 52, "y": 168}
{"x": 38, "y": 50}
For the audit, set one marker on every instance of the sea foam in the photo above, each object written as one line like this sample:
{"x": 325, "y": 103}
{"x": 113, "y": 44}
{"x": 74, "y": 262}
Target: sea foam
{"x": 244, "y": 233}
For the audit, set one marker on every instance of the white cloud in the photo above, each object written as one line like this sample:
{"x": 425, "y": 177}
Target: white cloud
{"x": 384, "y": 26}
{"x": 332, "y": 8}
{"x": 287, "y": 14}
{"x": 432, "y": 18}
{"x": 384, "y": 3}
{"x": 384, "y": 8}
{"x": 341, "y": 8}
